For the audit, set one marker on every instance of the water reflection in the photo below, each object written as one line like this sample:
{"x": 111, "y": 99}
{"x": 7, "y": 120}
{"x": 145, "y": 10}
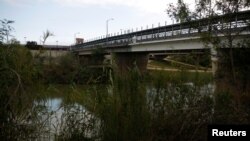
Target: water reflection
{"x": 63, "y": 119}
{"x": 60, "y": 119}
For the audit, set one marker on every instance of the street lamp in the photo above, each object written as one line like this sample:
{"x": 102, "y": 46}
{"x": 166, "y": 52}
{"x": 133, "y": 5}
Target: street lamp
{"x": 107, "y": 26}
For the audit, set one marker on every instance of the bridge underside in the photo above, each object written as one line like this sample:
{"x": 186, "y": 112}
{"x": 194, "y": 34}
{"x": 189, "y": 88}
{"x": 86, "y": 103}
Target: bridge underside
{"x": 138, "y": 53}
{"x": 126, "y": 61}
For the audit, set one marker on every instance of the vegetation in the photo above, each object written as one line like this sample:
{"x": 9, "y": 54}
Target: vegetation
{"x": 46, "y": 35}
{"x": 157, "y": 106}
{"x": 5, "y": 30}
{"x": 33, "y": 45}
{"x": 17, "y": 75}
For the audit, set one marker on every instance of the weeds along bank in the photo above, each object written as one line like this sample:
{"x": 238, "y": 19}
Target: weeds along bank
{"x": 155, "y": 106}
{"x": 232, "y": 80}
{"x": 17, "y": 75}
{"x": 24, "y": 78}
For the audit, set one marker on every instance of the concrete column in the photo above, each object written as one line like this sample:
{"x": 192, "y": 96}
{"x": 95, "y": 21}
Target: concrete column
{"x": 214, "y": 60}
{"x": 124, "y": 62}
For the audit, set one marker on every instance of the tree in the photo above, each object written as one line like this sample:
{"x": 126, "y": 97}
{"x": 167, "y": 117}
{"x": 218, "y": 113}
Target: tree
{"x": 5, "y": 30}
{"x": 46, "y": 35}
{"x": 14, "y": 41}
{"x": 33, "y": 45}
{"x": 223, "y": 34}
{"x": 180, "y": 13}
{"x": 225, "y": 26}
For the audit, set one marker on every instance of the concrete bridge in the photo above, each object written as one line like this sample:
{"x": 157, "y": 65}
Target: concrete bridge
{"x": 136, "y": 46}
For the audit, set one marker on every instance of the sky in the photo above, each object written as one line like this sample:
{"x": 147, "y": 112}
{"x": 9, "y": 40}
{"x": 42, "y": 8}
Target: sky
{"x": 68, "y": 19}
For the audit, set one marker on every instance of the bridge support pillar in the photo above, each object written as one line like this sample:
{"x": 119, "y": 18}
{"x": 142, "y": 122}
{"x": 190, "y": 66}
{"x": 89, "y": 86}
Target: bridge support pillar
{"x": 127, "y": 61}
{"x": 214, "y": 60}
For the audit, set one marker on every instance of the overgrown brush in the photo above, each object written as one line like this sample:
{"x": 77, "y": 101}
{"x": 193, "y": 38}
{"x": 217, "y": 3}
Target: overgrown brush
{"x": 156, "y": 106}
{"x": 17, "y": 75}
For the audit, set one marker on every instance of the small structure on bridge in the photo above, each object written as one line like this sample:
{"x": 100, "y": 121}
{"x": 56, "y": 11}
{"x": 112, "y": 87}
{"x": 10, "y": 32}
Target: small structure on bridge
{"x": 79, "y": 41}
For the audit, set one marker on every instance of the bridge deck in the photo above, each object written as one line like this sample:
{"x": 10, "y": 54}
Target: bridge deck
{"x": 187, "y": 29}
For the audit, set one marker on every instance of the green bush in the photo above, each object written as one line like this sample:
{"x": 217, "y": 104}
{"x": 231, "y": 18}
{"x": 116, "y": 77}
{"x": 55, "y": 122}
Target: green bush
{"x": 17, "y": 75}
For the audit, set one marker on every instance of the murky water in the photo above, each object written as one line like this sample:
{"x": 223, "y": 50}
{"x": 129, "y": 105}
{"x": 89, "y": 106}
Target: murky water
{"x": 57, "y": 117}
{"x": 60, "y": 117}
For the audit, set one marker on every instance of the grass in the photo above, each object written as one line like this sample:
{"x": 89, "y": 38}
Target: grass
{"x": 160, "y": 64}
{"x": 173, "y": 65}
{"x": 134, "y": 107}
{"x": 183, "y": 76}
{"x": 131, "y": 107}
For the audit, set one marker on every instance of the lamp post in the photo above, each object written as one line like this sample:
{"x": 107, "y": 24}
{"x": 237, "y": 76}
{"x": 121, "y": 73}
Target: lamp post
{"x": 107, "y": 26}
